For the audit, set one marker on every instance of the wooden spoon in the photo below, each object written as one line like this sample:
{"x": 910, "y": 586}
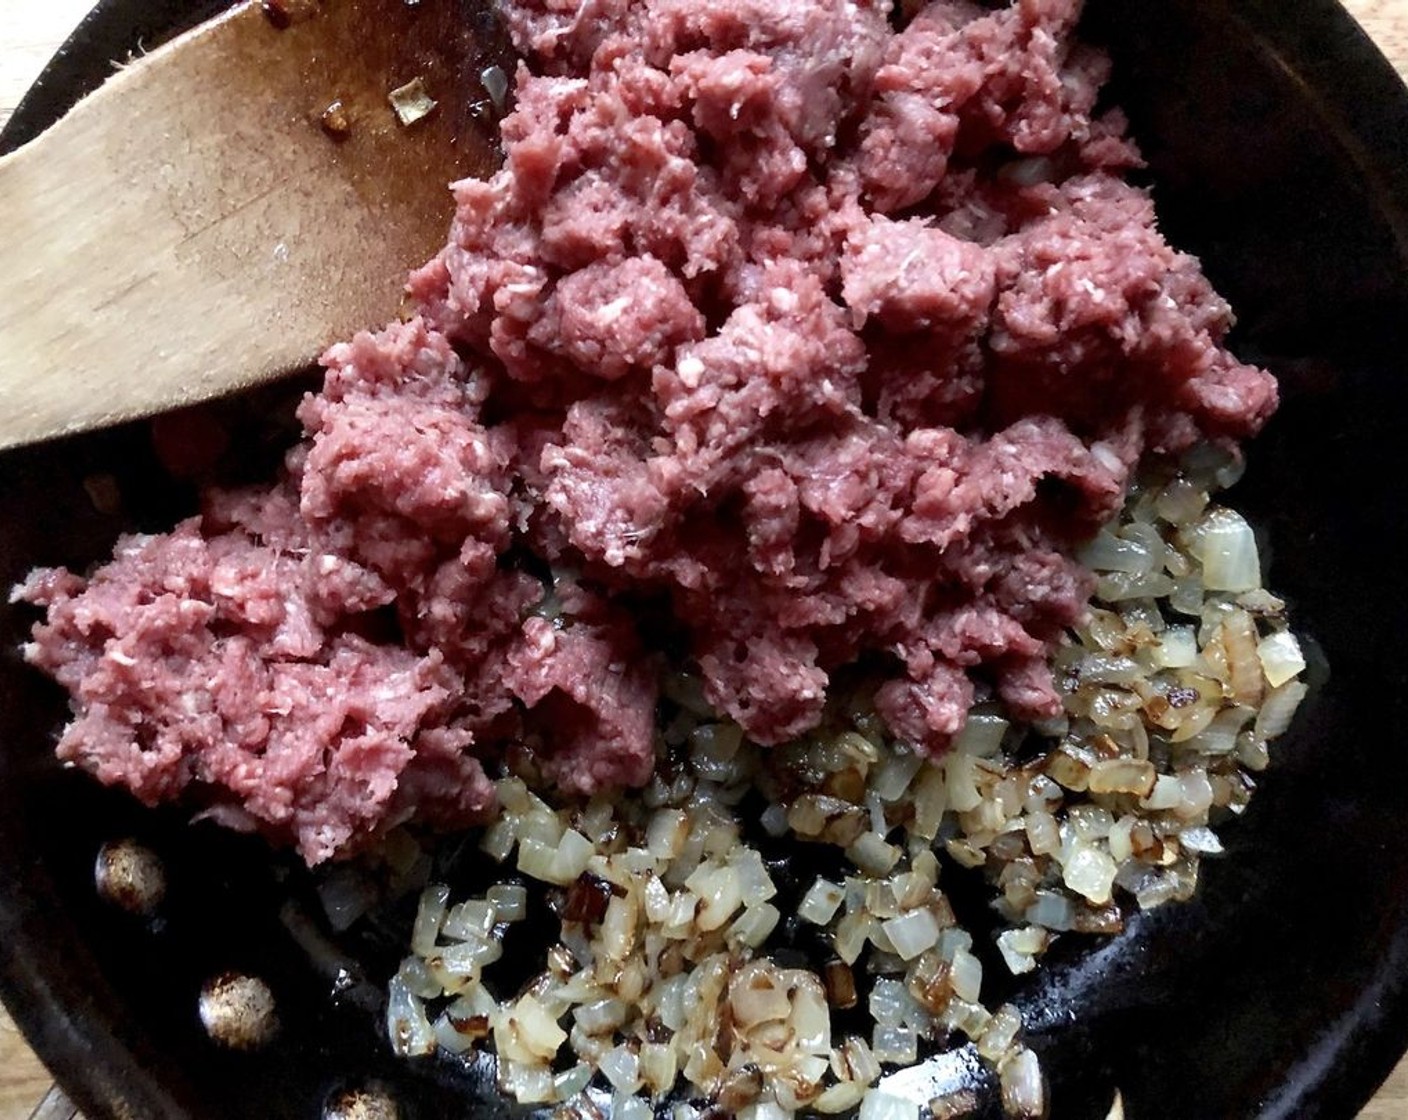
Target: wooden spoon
{"x": 225, "y": 207}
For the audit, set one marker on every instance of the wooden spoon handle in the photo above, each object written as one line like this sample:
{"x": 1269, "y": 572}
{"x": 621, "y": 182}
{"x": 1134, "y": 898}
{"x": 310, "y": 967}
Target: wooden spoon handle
{"x": 192, "y": 228}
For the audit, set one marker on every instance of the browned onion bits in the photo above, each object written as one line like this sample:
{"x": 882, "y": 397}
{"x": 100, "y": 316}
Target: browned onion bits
{"x": 131, "y": 876}
{"x": 361, "y": 1104}
{"x": 586, "y": 900}
{"x": 336, "y": 121}
{"x": 238, "y": 1011}
{"x": 840, "y": 983}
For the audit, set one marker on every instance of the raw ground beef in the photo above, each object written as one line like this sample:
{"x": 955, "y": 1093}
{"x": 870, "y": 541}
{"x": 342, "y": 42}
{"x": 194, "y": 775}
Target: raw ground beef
{"x": 824, "y": 340}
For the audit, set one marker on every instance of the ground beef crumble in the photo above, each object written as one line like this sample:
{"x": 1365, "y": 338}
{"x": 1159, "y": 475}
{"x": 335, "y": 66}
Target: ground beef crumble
{"x": 833, "y": 339}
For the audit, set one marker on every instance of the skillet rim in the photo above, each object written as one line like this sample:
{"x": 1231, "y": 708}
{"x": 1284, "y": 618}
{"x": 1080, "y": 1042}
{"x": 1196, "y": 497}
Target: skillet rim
{"x": 1362, "y": 102}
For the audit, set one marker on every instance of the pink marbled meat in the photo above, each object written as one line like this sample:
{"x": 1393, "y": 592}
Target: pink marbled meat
{"x": 830, "y": 340}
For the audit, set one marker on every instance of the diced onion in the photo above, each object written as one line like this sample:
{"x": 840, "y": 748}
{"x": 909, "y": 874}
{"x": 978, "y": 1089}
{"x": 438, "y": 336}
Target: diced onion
{"x": 473, "y": 918}
{"x": 981, "y": 735}
{"x": 1023, "y": 1094}
{"x": 666, "y": 833}
{"x": 1123, "y": 775}
{"x": 1166, "y": 794}
{"x": 755, "y": 885}
{"x": 1018, "y": 962}
{"x": 411, "y": 101}
{"x": 658, "y": 1066}
{"x": 656, "y": 898}
{"x": 539, "y": 861}
{"x": 763, "y": 1110}
{"x": 499, "y": 839}
{"x": 626, "y": 1107}
{"x": 430, "y": 915}
{"x": 850, "y": 936}
{"x": 820, "y": 903}
{"x": 1001, "y": 1032}
{"x": 495, "y": 83}
{"x": 879, "y": 1105}
{"x": 621, "y": 1066}
{"x": 841, "y": 1097}
{"x": 1281, "y": 658}
{"x": 1226, "y": 546}
{"x": 537, "y": 1029}
{"x": 618, "y": 928}
{"x": 670, "y": 1002}
{"x": 1090, "y": 872}
{"x": 719, "y": 896}
{"x": 1109, "y": 553}
{"x": 1180, "y": 502}
{"x": 887, "y": 1002}
{"x": 451, "y": 1038}
{"x": 1202, "y": 840}
{"x": 774, "y": 820}
{"x": 912, "y": 933}
{"x": 872, "y": 854}
{"x": 1054, "y": 911}
{"x": 574, "y": 851}
{"x": 600, "y": 1015}
{"x": 898, "y": 1045}
{"x": 1278, "y": 708}
{"x": 966, "y": 975}
{"x": 754, "y": 925}
{"x": 527, "y": 1083}
{"x": 892, "y": 777}
{"x": 407, "y": 1026}
{"x": 510, "y": 901}
{"x": 570, "y": 1082}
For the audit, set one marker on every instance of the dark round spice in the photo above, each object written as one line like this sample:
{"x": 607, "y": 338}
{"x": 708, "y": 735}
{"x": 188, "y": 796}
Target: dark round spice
{"x": 238, "y": 1011}
{"x": 130, "y": 876}
{"x": 361, "y": 1104}
{"x": 1180, "y": 697}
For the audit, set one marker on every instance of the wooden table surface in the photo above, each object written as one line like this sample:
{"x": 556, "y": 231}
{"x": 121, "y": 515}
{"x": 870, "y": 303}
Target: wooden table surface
{"x": 30, "y": 30}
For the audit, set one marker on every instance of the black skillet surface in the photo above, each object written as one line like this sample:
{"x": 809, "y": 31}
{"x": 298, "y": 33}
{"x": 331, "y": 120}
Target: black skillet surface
{"x": 1278, "y": 144}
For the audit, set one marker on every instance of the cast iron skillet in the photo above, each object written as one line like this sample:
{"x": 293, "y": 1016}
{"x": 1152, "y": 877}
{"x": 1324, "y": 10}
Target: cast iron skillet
{"x": 1278, "y": 144}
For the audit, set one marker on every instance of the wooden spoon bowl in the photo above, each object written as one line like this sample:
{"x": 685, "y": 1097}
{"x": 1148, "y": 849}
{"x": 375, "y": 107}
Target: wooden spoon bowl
{"x": 227, "y": 206}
